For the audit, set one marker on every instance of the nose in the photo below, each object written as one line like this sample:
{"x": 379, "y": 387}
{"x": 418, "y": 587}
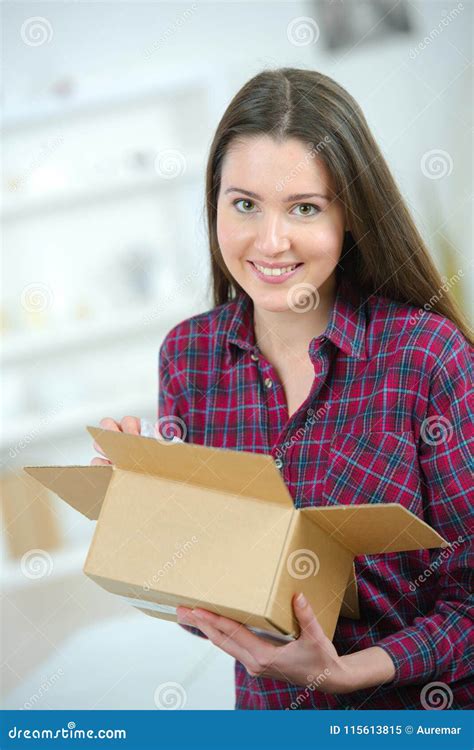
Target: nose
{"x": 271, "y": 235}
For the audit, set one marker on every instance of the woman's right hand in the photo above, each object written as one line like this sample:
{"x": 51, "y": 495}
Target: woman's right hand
{"x": 131, "y": 425}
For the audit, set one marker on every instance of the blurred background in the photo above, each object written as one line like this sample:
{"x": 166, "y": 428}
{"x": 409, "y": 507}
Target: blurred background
{"x": 109, "y": 109}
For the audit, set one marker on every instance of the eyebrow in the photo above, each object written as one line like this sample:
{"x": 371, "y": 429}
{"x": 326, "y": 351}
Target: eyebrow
{"x": 293, "y": 197}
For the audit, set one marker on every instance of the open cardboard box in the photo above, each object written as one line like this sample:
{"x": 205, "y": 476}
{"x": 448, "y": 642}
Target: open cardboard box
{"x": 215, "y": 528}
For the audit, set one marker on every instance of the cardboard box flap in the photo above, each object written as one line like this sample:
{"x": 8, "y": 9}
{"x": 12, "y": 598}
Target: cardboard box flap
{"x": 375, "y": 529}
{"x": 237, "y": 472}
{"x": 82, "y": 487}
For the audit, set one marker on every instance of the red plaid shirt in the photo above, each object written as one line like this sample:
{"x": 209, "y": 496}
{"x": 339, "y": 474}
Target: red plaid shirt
{"x": 388, "y": 419}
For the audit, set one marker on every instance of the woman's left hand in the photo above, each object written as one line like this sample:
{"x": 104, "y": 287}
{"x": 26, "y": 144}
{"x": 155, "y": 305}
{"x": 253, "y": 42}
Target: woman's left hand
{"x": 312, "y": 657}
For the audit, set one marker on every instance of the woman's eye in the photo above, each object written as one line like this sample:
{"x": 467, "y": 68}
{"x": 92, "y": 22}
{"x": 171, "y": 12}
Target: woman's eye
{"x": 246, "y": 201}
{"x": 308, "y": 206}
{"x": 246, "y": 205}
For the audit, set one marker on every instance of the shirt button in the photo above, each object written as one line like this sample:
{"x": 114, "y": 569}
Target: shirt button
{"x": 278, "y": 463}
{"x": 254, "y": 357}
{"x": 268, "y": 382}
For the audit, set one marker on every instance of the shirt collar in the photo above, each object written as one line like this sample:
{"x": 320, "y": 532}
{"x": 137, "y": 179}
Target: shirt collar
{"x": 346, "y": 328}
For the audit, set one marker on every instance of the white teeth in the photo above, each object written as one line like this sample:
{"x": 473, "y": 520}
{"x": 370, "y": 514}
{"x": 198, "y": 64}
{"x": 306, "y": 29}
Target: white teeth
{"x": 274, "y": 271}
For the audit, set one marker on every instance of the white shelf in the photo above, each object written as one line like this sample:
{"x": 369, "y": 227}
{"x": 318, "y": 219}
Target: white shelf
{"x": 74, "y": 421}
{"x": 194, "y": 169}
{"x": 169, "y": 84}
{"x": 87, "y": 335}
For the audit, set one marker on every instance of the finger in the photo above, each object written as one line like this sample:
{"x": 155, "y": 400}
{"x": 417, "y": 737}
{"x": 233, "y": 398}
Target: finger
{"x": 184, "y": 616}
{"x": 97, "y": 448}
{"x": 131, "y": 425}
{"x": 100, "y": 462}
{"x": 227, "y": 644}
{"x": 109, "y": 424}
{"x": 310, "y": 627}
{"x": 257, "y": 647}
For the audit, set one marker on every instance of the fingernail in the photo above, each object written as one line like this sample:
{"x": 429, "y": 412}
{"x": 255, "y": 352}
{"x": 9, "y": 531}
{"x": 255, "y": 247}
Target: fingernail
{"x": 301, "y": 600}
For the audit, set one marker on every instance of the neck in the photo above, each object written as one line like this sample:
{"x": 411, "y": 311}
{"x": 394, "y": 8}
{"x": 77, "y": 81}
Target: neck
{"x": 288, "y": 334}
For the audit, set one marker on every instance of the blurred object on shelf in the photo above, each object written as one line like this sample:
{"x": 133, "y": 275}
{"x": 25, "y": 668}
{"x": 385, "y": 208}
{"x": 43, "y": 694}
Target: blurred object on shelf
{"x": 354, "y": 24}
{"x": 82, "y": 311}
{"x": 140, "y": 160}
{"x": 29, "y": 521}
{"x": 36, "y": 303}
{"x": 64, "y": 88}
{"x": 450, "y": 267}
{"x": 36, "y": 320}
{"x": 132, "y": 274}
{"x": 5, "y": 320}
{"x": 452, "y": 264}
{"x": 14, "y": 183}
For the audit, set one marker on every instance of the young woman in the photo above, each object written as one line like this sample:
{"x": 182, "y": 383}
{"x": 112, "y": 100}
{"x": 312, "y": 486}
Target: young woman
{"x": 334, "y": 346}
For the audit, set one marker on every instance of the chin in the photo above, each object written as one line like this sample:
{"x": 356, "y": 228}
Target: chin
{"x": 275, "y": 301}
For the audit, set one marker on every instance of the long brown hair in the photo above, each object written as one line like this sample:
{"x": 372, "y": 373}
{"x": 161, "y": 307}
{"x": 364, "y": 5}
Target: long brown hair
{"x": 384, "y": 251}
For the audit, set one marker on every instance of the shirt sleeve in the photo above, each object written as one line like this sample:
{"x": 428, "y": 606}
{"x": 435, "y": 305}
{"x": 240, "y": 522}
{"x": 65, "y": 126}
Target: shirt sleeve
{"x": 437, "y": 646}
{"x": 169, "y": 406}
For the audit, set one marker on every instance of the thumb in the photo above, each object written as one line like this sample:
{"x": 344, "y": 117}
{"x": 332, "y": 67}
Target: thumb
{"x": 310, "y": 627}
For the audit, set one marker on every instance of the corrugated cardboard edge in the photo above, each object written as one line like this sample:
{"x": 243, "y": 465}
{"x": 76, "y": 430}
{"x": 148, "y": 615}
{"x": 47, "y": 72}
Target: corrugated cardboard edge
{"x": 234, "y": 472}
{"x": 350, "y": 601}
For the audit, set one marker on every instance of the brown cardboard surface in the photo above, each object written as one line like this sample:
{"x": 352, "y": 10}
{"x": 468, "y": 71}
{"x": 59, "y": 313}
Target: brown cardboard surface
{"x": 82, "y": 487}
{"x": 247, "y": 474}
{"x": 374, "y": 529}
{"x": 317, "y": 565}
{"x": 201, "y": 526}
{"x": 29, "y": 519}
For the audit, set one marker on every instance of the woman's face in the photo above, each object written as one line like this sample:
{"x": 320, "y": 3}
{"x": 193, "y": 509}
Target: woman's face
{"x": 276, "y": 209}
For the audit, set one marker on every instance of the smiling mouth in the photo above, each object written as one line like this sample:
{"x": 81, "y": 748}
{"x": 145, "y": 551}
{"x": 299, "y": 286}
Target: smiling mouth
{"x": 275, "y": 271}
